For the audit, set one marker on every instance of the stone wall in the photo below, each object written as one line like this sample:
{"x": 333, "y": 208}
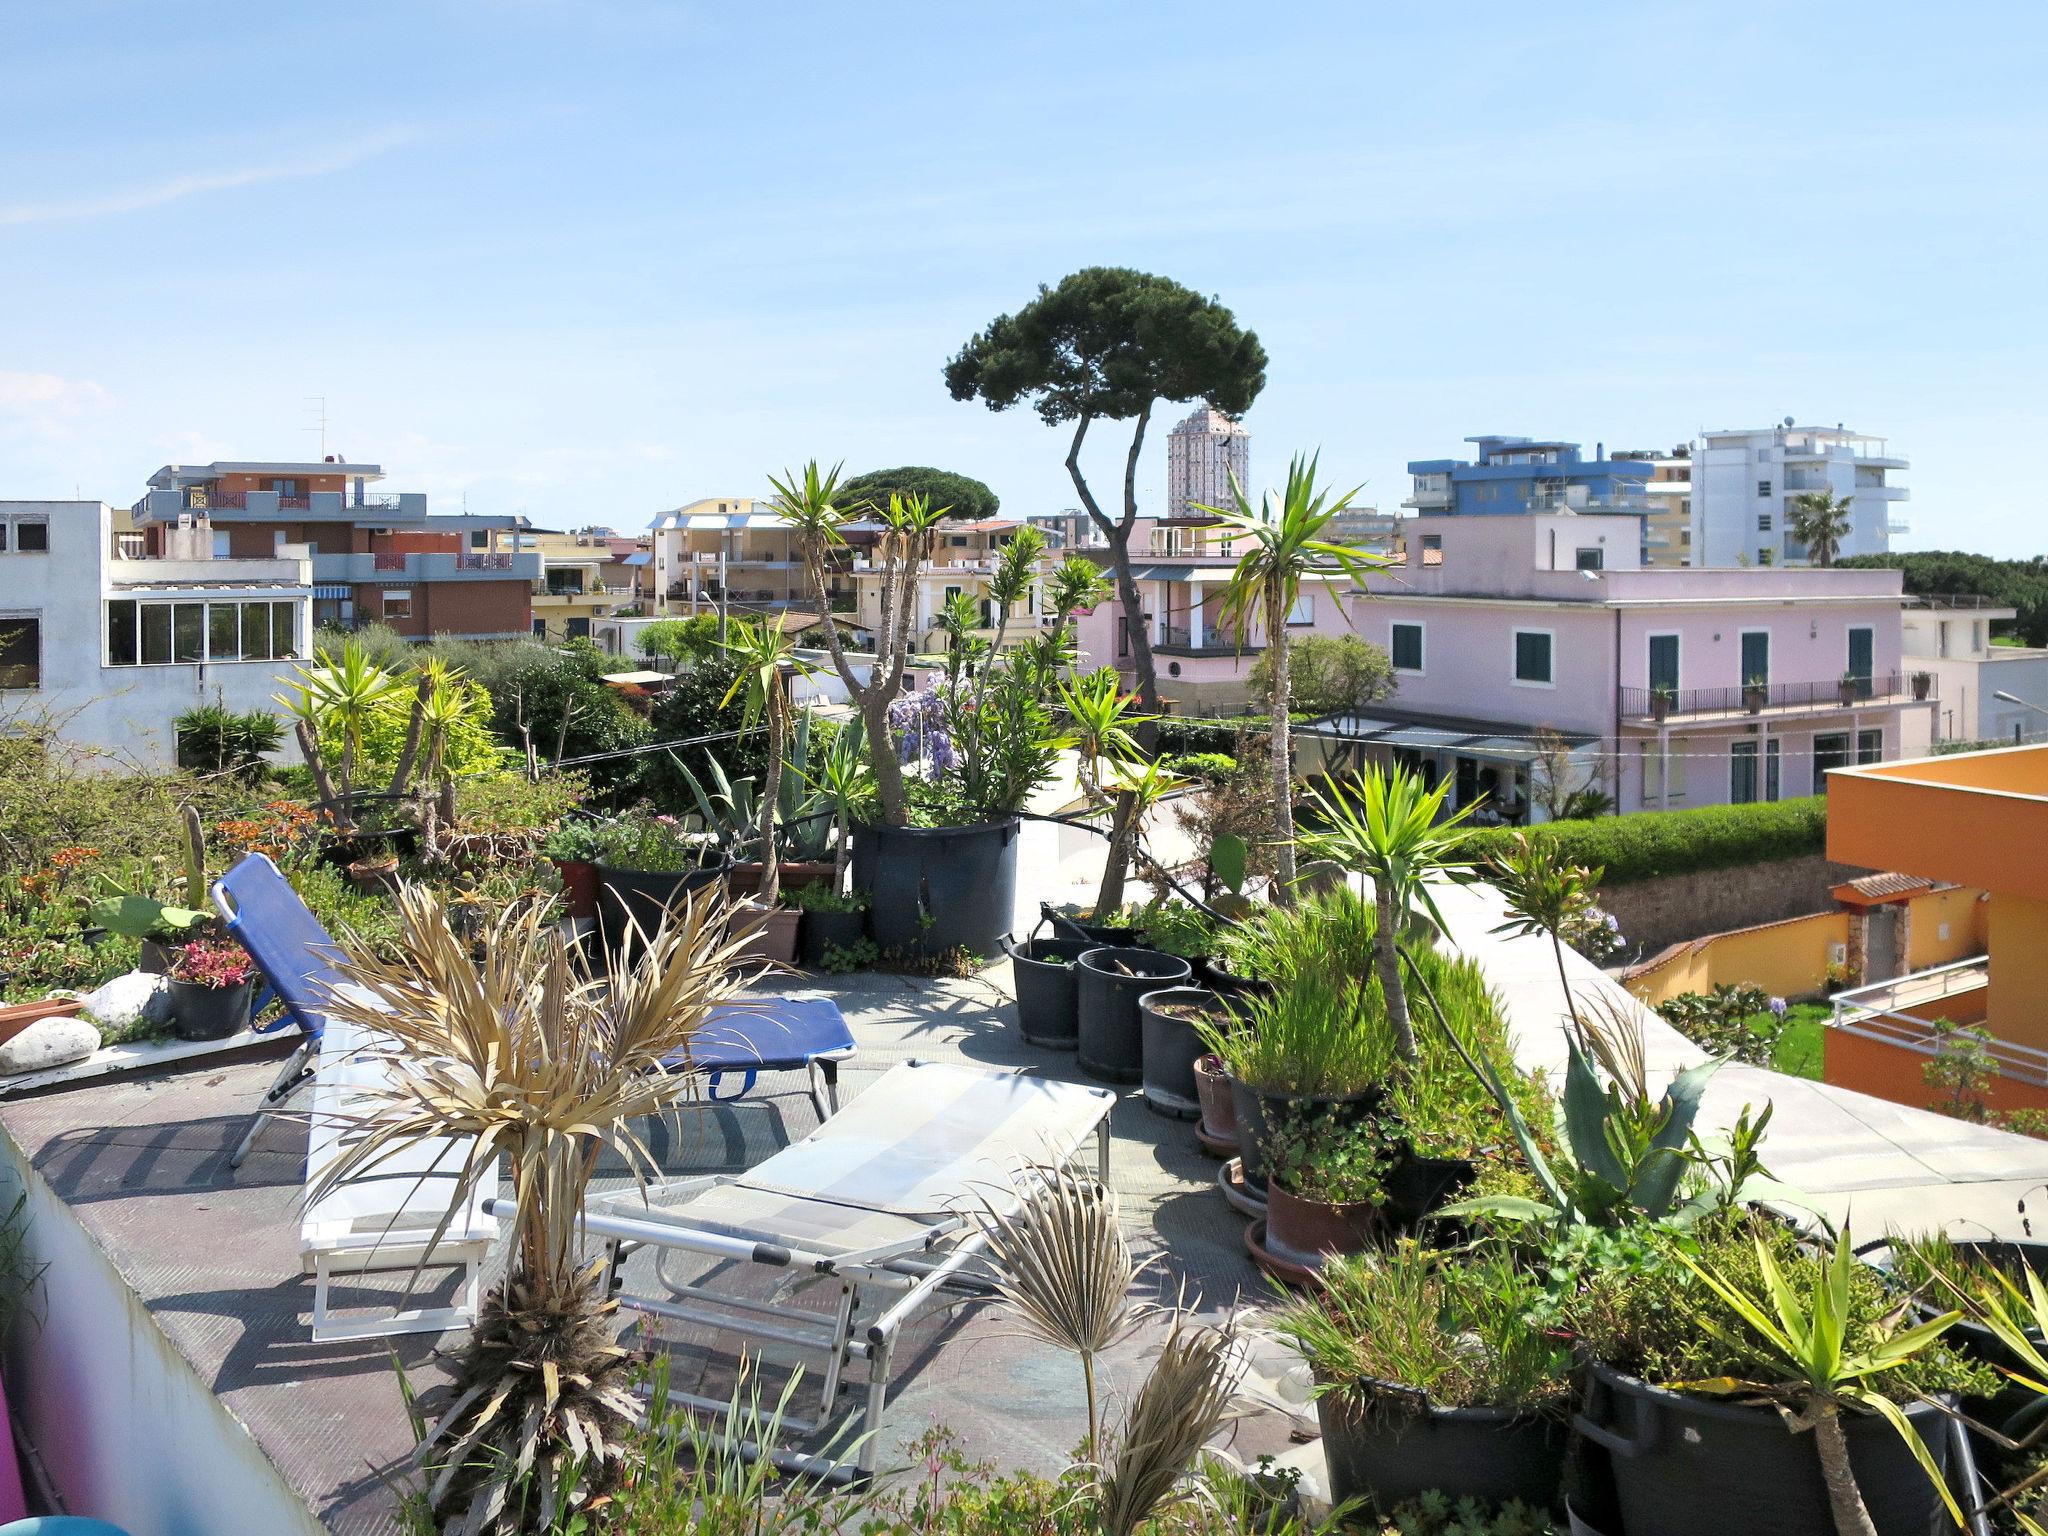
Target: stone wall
{"x": 1675, "y": 908}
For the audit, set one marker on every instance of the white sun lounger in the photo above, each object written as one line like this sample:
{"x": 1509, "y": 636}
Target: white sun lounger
{"x": 385, "y": 1217}
{"x": 881, "y": 1197}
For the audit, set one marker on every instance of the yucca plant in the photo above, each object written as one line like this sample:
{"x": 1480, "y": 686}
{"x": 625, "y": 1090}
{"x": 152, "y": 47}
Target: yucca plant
{"x": 1807, "y": 1363}
{"x": 1388, "y": 827}
{"x": 528, "y": 1059}
{"x": 768, "y": 659}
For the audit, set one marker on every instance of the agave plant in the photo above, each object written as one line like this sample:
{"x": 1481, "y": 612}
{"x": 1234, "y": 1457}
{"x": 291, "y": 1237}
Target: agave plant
{"x": 529, "y": 1060}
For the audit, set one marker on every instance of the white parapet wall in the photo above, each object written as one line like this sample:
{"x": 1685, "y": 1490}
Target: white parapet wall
{"x": 123, "y": 1425}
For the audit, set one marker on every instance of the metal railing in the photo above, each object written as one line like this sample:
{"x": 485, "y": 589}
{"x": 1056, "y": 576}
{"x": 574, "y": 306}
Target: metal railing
{"x": 1948, "y": 600}
{"x": 467, "y": 561}
{"x": 384, "y": 560}
{"x": 1212, "y": 643}
{"x": 1671, "y": 704}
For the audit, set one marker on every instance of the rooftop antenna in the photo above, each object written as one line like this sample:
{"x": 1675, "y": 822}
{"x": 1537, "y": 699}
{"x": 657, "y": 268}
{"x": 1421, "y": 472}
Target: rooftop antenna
{"x": 316, "y": 407}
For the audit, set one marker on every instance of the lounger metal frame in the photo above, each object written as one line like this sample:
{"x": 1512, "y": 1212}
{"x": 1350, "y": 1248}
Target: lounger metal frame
{"x": 942, "y": 1259}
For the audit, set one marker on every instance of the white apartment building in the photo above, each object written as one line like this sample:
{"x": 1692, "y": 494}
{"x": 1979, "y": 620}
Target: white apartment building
{"x": 1202, "y": 453}
{"x": 1988, "y": 692}
{"x": 110, "y": 646}
{"x": 1746, "y": 484}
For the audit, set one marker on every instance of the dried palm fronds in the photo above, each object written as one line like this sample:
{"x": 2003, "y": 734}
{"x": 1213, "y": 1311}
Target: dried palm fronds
{"x": 1609, "y": 1025}
{"x": 1183, "y": 1402}
{"x": 527, "y": 1058}
{"x": 1063, "y": 1266}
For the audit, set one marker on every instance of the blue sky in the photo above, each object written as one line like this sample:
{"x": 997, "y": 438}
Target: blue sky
{"x": 591, "y": 260}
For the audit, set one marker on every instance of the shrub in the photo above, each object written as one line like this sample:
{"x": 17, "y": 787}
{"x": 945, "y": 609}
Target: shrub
{"x": 1327, "y": 675}
{"x": 1647, "y": 844}
{"x": 1179, "y": 735}
{"x": 215, "y": 739}
{"x": 698, "y": 706}
{"x": 1214, "y": 767}
{"x": 556, "y": 697}
{"x": 681, "y": 640}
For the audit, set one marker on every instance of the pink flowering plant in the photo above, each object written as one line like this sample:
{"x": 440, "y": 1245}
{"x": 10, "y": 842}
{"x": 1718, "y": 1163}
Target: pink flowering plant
{"x": 213, "y": 963}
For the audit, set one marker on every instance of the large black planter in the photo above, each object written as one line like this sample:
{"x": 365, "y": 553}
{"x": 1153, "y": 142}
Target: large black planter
{"x": 209, "y": 1013}
{"x": 1048, "y": 1010}
{"x": 1171, "y": 1049}
{"x": 844, "y": 929}
{"x": 1417, "y": 1187}
{"x": 934, "y": 889}
{"x": 1257, "y": 1113}
{"x": 2013, "y": 1259}
{"x": 1107, "y": 988}
{"x": 638, "y": 899}
{"x": 1689, "y": 1466}
{"x": 1398, "y": 1449}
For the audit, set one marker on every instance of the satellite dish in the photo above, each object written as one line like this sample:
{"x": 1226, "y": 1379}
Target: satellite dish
{"x": 1788, "y": 421}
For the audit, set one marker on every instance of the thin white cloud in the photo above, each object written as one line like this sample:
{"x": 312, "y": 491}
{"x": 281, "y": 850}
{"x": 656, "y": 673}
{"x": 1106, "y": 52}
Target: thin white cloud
{"x": 48, "y": 393}
{"x": 193, "y": 184}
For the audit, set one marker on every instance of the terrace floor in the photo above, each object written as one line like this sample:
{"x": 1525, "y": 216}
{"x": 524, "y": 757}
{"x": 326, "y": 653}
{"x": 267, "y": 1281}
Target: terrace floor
{"x": 213, "y": 1252}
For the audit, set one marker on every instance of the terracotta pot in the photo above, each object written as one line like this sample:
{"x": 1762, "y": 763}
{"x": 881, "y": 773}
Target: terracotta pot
{"x": 776, "y": 938}
{"x": 745, "y": 879}
{"x": 579, "y": 887}
{"x": 1219, "y": 1110}
{"x": 1305, "y": 1232}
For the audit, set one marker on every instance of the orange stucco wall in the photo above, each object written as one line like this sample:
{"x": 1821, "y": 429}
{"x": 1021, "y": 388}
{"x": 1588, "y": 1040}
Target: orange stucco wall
{"x": 1894, "y": 1072}
{"x": 1976, "y": 818}
{"x": 1788, "y": 959}
{"x": 1963, "y": 912}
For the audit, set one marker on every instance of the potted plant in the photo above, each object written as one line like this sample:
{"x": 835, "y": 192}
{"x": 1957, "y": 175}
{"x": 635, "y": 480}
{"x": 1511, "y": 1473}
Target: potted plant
{"x": 1662, "y": 697}
{"x": 1108, "y": 983}
{"x": 733, "y": 810}
{"x": 830, "y": 917}
{"x": 1312, "y": 1048}
{"x": 1850, "y": 688}
{"x": 1923, "y": 685}
{"x": 572, "y": 846}
{"x": 1740, "y": 1381}
{"x": 212, "y": 983}
{"x": 645, "y": 865}
{"x": 1756, "y": 693}
{"x": 1043, "y": 979}
{"x": 1217, "y": 1131}
{"x": 1325, "y": 1190}
{"x": 1171, "y": 1043}
{"x": 1431, "y": 1374}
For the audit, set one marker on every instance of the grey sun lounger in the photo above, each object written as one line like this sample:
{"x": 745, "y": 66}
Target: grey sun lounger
{"x": 879, "y": 1198}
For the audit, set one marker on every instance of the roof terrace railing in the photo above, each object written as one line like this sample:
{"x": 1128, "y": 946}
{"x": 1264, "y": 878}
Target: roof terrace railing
{"x": 1840, "y": 693}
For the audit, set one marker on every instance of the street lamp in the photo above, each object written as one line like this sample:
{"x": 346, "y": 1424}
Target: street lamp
{"x": 2013, "y": 698}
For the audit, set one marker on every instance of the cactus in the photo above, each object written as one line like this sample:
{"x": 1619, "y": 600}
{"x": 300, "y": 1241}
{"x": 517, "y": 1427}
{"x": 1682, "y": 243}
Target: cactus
{"x": 195, "y": 859}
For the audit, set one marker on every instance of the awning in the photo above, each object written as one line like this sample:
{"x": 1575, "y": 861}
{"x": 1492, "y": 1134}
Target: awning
{"x": 1484, "y": 741}
{"x": 332, "y": 592}
{"x": 638, "y": 679}
{"x": 642, "y": 558}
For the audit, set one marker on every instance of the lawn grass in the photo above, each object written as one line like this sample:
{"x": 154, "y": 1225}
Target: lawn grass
{"x": 1798, "y": 1052}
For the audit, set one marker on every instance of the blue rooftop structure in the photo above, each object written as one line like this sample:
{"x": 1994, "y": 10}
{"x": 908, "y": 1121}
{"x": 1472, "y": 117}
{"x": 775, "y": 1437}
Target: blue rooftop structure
{"x": 1525, "y": 474}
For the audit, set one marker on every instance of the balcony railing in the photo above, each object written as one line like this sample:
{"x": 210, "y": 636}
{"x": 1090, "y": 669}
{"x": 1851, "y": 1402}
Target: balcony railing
{"x": 467, "y": 561}
{"x": 1655, "y": 704}
{"x": 1181, "y": 638}
{"x": 386, "y": 560}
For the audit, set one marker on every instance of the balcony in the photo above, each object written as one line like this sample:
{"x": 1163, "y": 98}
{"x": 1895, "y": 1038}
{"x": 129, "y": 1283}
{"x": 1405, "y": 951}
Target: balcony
{"x": 1700, "y": 705}
{"x": 262, "y": 506}
{"x": 1180, "y": 640}
{"x": 428, "y": 565}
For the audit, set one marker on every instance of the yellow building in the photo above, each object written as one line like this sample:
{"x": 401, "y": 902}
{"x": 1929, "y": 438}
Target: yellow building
{"x": 585, "y": 575}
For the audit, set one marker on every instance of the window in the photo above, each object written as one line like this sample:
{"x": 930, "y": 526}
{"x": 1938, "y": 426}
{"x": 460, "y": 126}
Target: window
{"x": 32, "y": 536}
{"x": 1763, "y": 487}
{"x": 397, "y": 602}
{"x": 1591, "y": 559}
{"x": 155, "y": 634}
{"x": 1862, "y": 644}
{"x": 1870, "y": 746}
{"x": 1658, "y": 785}
{"x": 1830, "y": 750}
{"x": 1763, "y": 522}
{"x": 1664, "y": 662}
{"x": 1771, "y": 759}
{"x": 1532, "y": 657}
{"x": 1756, "y": 656}
{"x": 1432, "y": 544}
{"x": 1303, "y": 613}
{"x": 1404, "y": 645}
{"x": 21, "y": 651}
{"x": 1742, "y": 781}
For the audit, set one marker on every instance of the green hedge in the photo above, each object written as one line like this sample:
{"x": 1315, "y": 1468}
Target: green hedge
{"x": 1182, "y": 735}
{"x": 1648, "y": 844}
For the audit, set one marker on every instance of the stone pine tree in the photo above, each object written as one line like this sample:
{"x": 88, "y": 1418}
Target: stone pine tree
{"x": 1108, "y": 344}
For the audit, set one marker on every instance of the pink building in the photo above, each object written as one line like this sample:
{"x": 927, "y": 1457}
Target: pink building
{"x": 1673, "y": 687}
{"x": 1181, "y": 568}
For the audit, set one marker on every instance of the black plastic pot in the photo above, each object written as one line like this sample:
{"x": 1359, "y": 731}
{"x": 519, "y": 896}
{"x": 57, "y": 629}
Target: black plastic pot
{"x": 1257, "y": 1112}
{"x": 844, "y": 929}
{"x": 209, "y": 1013}
{"x": 2014, "y": 1259}
{"x": 1227, "y": 983}
{"x": 1398, "y": 1448}
{"x": 934, "y": 889}
{"x": 1417, "y": 1186}
{"x": 1109, "y": 983}
{"x": 1048, "y": 1009}
{"x": 1688, "y": 1466}
{"x": 1171, "y": 1048}
{"x": 638, "y": 899}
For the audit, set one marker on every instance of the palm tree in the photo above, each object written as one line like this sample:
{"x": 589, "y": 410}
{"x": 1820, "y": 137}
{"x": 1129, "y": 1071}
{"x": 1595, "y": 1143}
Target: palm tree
{"x": 1389, "y": 828}
{"x": 529, "y": 1060}
{"x": 806, "y": 503}
{"x": 1821, "y": 523}
{"x": 768, "y": 659}
{"x": 339, "y": 696}
{"x": 1287, "y": 549}
{"x": 1102, "y": 720}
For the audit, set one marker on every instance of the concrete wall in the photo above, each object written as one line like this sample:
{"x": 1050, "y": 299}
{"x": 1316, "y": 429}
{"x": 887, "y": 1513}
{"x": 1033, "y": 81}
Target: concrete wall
{"x": 1898, "y": 1072}
{"x": 1678, "y": 908}
{"x": 1786, "y": 959}
{"x": 123, "y": 1424}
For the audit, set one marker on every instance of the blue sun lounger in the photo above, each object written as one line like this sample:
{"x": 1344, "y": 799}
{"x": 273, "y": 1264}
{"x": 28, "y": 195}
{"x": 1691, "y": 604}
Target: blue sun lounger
{"x": 297, "y": 958}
